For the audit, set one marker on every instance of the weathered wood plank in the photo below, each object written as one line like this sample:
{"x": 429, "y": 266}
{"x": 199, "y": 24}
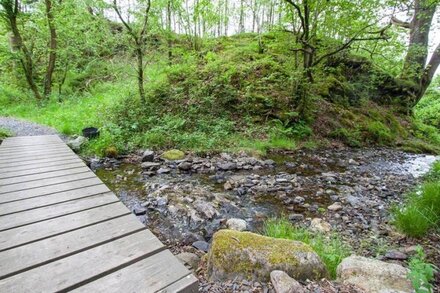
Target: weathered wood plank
{"x": 151, "y": 274}
{"x": 56, "y": 210}
{"x": 38, "y": 253}
{"x": 29, "y": 150}
{"x": 13, "y": 158}
{"x": 41, "y": 201}
{"x": 81, "y": 268}
{"x": 41, "y": 230}
{"x": 46, "y": 190}
{"x": 42, "y": 170}
{"x": 60, "y": 162}
{"x": 188, "y": 284}
{"x": 40, "y": 176}
{"x": 49, "y": 158}
{"x": 45, "y": 182}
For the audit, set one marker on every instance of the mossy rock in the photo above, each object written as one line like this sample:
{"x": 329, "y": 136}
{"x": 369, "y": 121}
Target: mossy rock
{"x": 245, "y": 255}
{"x": 173, "y": 155}
{"x": 111, "y": 152}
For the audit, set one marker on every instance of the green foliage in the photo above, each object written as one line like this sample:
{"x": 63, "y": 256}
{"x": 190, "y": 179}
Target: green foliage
{"x": 421, "y": 209}
{"x": 4, "y": 134}
{"x": 351, "y": 138}
{"x": 330, "y": 248}
{"x": 421, "y": 273}
{"x": 377, "y": 132}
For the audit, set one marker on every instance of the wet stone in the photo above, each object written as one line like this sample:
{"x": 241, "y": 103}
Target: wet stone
{"x": 201, "y": 245}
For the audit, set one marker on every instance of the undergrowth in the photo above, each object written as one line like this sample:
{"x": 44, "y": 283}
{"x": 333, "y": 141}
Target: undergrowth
{"x": 420, "y": 211}
{"x": 330, "y": 248}
{"x": 421, "y": 273}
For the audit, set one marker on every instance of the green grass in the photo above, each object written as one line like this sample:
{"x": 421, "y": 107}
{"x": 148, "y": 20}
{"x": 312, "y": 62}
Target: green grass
{"x": 420, "y": 211}
{"x": 330, "y": 248}
{"x": 421, "y": 273}
{"x": 4, "y": 133}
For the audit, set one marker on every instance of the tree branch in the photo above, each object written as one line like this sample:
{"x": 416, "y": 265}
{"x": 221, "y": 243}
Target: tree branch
{"x": 300, "y": 15}
{"x": 127, "y": 26}
{"x": 400, "y": 23}
{"x": 347, "y": 44}
{"x": 144, "y": 26}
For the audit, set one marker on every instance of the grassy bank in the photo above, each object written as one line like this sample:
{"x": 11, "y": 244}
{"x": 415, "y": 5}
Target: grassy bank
{"x": 420, "y": 211}
{"x": 330, "y": 248}
{"x": 229, "y": 96}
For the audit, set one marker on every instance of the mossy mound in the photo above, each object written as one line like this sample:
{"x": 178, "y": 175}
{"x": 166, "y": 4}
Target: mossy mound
{"x": 245, "y": 255}
{"x": 173, "y": 155}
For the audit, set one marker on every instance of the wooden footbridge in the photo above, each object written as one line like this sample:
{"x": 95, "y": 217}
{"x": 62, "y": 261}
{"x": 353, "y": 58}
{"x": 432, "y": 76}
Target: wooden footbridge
{"x": 62, "y": 229}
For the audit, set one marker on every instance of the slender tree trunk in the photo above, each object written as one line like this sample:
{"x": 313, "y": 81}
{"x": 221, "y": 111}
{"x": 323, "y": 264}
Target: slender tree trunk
{"x": 241, "y": 22}
{"x": 140, "y": 70}
{"x": 26, "y": 58}
{"x": 170, "y": 53}
{"x": 52, "y": 49}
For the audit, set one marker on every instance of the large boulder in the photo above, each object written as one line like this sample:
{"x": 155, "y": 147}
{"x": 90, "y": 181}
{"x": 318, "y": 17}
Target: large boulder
{"x": 250, "y": 256}
{"x": 374, "y": 276}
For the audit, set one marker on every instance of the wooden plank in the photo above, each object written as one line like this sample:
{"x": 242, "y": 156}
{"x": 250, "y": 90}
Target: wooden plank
{"x": 41, "y": 252}
{"x": 34, "y": 160}
{"x": 49, "y": 228}
{"x": 30, "y": 143}
{"x": 27, "y": 178}
{"x": 12, "y": 158}
{"x": 41, "y": 201}
{"x": 81, "y": 268}
{"x": 32, "y": 137}
{"x": 45, "y": 182}
{"x": 40, "y": 165}
{"x": 148, "y": 275}
{"x": 56, "y": 210}
{"x": 43, "y": 170}
{"x": 29, "y": 150}
{"x": 46, "y": 190}
{"x": 9, "y": 143}
{"x": 188, "y": 284}
{"x": 37, "y": 138}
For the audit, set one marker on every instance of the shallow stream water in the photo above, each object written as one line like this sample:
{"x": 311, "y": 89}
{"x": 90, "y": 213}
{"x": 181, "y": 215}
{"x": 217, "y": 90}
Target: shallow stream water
{"x": 177, "y": 206}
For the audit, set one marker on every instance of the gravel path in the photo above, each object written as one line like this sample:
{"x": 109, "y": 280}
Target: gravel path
{"x": 20, "y": 127}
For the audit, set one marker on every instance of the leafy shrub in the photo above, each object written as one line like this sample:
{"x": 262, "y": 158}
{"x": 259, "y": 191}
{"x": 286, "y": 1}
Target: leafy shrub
{"x": 330, "y": 249}
{"x": 421, "y": 273}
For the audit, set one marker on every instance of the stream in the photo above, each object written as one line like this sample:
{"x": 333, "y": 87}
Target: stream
{"x": 189, "y": 200}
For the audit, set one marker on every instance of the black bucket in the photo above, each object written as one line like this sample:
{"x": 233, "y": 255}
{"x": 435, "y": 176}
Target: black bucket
{"x": 90, "y": 132}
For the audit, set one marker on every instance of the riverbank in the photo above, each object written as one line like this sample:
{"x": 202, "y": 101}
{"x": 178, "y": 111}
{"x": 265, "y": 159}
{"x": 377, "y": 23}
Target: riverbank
{"x": 344, "y": 191}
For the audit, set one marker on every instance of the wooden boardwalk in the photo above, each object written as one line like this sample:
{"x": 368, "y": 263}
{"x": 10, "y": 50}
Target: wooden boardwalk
{"x": 62, "y": 229}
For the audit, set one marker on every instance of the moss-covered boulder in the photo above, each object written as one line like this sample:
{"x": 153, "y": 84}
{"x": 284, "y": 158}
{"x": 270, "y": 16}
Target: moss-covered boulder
{"x": 250, "y": 256}
{"x": 173, "y": 155}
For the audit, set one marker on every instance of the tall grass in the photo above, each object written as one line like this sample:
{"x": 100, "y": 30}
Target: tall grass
{"x": 330, "y": 248}
{"x": 420, "y": 211}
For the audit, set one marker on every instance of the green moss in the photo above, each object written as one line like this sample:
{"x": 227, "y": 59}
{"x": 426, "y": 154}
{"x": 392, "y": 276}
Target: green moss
{"x": 244, "y": 253}
{"x": 173, "y": 155}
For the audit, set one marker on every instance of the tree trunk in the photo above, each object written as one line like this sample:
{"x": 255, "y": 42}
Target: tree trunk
{"x": 241, "y": 23}
{"x": 140, "y": 70}
{"x": 170, "y": 53}
{"x": 417, "y": 54}
{"x": 52, "y": 49}
{"x": 26, "y": 58}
